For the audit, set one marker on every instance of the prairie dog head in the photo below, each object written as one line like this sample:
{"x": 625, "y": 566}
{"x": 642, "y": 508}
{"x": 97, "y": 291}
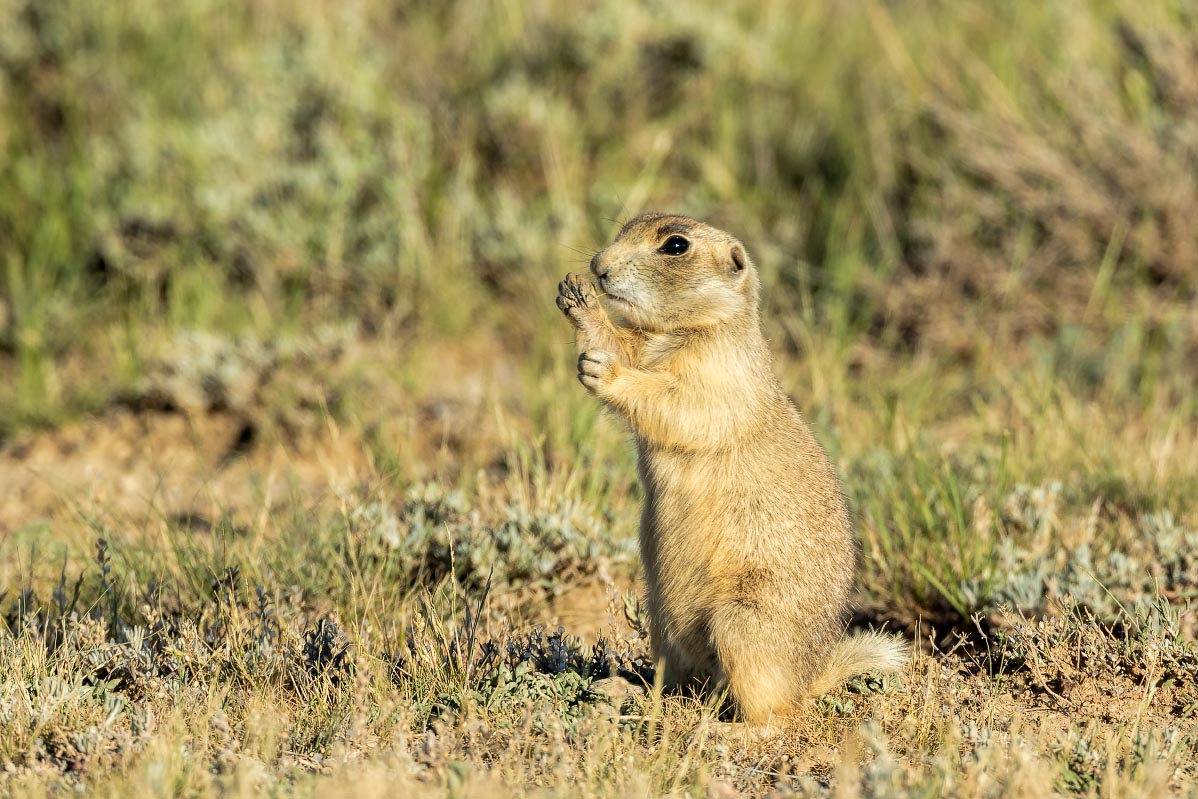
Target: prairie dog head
{"x": 666, "y": 272}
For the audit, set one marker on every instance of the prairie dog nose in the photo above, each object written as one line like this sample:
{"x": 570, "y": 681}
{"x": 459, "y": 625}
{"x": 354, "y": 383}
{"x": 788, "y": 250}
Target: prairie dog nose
{"x": 597, "y": 266}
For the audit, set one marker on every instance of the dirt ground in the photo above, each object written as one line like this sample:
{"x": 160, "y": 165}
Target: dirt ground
{"x": 199, "y": 470}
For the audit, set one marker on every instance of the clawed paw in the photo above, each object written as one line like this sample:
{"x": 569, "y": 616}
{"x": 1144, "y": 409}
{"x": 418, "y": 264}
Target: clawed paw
{"x": 596, "y": 369}
{"x": 576, "y": 298}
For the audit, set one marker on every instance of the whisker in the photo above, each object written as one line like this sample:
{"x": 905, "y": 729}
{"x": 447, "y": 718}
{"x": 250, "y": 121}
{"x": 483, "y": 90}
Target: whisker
{"x": 623, "y": 210}
{"x": 579, "y": 250}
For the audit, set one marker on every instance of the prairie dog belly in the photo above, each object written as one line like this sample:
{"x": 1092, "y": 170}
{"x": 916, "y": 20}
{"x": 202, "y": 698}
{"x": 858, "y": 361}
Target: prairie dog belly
{"x": 715, "y": 532}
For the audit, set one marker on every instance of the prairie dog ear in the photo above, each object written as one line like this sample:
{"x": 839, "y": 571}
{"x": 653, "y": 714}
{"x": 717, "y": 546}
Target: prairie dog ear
{"x": 739, "y": 259}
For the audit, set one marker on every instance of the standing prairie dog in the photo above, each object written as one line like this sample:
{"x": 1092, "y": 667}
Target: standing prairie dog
{"x": 745, "y": 537}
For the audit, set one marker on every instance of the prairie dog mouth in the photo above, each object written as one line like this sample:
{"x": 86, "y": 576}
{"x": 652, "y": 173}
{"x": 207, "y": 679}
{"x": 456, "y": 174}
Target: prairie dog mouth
{"x": 610, "y": 295}
{"x": 621, "y": 302}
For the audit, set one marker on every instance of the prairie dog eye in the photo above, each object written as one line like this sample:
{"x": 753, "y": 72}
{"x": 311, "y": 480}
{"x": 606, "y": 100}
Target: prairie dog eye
{"x": 675, "y": 245}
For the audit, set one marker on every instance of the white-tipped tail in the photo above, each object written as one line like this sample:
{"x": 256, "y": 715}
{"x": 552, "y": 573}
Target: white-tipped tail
{"x": 860, "y": 653}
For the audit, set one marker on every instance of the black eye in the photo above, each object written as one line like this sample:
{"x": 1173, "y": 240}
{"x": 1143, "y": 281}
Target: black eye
{"x": 675, "y": 245}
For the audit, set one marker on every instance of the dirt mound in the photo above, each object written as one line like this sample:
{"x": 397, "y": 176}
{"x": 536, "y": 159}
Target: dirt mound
{"x": 156, "y": 463}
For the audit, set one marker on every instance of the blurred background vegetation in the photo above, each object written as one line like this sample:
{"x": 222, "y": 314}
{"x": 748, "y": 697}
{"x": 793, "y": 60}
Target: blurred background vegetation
{"x": 958, "y": 180}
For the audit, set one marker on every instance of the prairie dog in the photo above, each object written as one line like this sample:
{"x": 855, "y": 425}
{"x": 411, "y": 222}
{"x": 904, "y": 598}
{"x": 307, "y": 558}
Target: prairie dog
{"x": 745, "y": 536}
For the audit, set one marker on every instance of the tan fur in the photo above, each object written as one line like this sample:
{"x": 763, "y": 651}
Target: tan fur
{"x": 745, "y": 537}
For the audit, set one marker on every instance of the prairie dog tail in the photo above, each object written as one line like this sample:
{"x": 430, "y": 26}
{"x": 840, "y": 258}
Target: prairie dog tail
{"x": 860, "y": 653}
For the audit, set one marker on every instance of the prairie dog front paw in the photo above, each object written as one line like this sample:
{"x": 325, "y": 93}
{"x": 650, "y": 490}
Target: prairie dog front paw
{"x": 576, "y": 298}
{"x": 597, "y": 369}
